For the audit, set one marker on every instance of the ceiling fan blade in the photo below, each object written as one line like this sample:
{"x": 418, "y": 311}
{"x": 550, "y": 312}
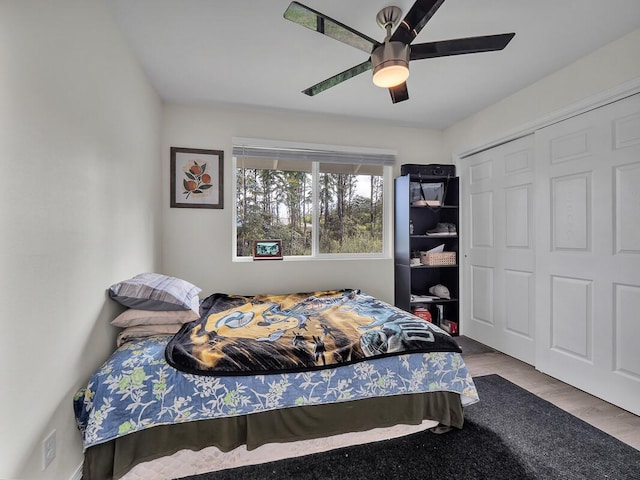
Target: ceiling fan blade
{"x": 307, "y": 17}
{"x": 417, "y": 17}
{"x": 339, "y": 78}
{"x": 460, "y": 46}
{"x": 399, "y": 93}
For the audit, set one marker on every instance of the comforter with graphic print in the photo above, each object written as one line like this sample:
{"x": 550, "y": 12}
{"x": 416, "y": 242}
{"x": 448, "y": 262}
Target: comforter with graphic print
{"x": 267, "y": 334}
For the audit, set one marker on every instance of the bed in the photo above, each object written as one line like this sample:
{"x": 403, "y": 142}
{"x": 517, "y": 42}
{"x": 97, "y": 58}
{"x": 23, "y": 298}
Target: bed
{"x": 139, "y": 409}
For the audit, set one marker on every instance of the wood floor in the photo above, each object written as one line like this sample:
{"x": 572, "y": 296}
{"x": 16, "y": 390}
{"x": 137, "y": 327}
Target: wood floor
{"x": 618, "y": 423}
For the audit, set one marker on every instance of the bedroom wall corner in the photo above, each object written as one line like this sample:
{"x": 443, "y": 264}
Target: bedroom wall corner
{"x": 79, "y": 206}
{"x": 209, "y": 232}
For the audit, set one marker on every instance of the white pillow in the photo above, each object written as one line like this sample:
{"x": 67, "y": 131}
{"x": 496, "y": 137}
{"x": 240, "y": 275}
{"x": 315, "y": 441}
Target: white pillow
{"x": 134, "y": 317}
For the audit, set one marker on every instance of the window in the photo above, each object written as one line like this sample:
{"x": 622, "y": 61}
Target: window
{"x": 319, "y": 202}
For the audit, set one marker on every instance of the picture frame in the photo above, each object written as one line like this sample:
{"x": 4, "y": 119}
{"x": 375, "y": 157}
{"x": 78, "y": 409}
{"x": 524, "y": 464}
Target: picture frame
{"x": 196, "y": 178}
{"x": 267, "y": 249}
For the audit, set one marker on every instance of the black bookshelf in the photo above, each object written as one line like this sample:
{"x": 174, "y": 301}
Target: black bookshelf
{"x": 412, "y": 220}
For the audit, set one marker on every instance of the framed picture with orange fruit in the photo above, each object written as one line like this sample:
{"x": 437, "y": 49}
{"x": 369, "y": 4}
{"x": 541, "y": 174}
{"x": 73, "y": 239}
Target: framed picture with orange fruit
{"x": 196, "y": 178}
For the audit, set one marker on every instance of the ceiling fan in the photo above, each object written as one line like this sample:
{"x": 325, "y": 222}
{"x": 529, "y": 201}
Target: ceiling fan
{"x": 390, "y": 59}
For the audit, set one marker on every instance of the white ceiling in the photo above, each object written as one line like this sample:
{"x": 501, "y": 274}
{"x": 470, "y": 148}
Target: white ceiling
{"x": 243, "y": 52}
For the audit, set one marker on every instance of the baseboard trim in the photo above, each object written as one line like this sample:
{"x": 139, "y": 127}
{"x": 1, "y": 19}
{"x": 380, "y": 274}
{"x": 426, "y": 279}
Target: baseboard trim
{"x": 77, "y": 474}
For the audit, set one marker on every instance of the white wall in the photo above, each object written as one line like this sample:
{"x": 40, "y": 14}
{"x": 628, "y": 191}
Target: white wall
{"x": 79, "y": 206}
{"x": 198, "y": 243}
{"x": 606, "y": 68}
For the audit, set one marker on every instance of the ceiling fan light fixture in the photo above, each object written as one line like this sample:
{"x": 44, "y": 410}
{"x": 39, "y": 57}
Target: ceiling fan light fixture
{"x": 390, "y": 64}
{"x": 390, "y": 76}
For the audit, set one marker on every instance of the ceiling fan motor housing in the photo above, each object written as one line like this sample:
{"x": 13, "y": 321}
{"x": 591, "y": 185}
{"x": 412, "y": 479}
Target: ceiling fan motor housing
{"x": 390, "y": 54}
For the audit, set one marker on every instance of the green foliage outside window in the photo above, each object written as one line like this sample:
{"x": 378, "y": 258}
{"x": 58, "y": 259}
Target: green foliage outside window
{"x": 277, "y": 204}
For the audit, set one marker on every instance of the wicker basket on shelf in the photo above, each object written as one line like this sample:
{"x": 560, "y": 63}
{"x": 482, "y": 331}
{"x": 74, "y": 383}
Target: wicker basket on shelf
{"x": 440, "y": 258}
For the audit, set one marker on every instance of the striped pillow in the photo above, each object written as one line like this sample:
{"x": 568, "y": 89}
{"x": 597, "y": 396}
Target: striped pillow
{"x": 153, "y": 291}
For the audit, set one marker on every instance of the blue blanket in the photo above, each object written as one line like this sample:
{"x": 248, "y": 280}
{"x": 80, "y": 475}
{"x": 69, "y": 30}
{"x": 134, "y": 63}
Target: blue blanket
{"x": 136, "y": 389}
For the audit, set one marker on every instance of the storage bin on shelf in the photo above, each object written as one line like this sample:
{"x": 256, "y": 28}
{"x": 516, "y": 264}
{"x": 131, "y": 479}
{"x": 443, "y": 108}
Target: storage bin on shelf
{"x": 438, "y": 258}
{"x": 423, "y": 313}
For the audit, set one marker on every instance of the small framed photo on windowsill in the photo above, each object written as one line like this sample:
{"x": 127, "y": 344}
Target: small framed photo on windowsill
{"x": 267, "y": 250}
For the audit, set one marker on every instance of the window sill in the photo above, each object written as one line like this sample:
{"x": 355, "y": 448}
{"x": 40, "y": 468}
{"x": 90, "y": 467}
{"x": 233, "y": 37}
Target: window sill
{"x": 309, "y": 258}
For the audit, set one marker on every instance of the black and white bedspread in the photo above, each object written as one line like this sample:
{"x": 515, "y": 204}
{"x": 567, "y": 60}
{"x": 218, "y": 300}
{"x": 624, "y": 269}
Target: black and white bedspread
{"x": 268, "y": 334}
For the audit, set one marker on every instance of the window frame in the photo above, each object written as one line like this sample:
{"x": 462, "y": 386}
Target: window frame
{"x": 387, "y": 199}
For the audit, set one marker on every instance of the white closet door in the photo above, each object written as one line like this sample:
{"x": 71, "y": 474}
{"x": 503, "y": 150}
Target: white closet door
{"x": 499, "y": 283}
{"x": 588, "y": 252}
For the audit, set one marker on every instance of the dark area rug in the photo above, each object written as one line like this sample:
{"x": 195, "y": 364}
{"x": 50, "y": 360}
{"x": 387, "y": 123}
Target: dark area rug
{"x": 511, "y": 434}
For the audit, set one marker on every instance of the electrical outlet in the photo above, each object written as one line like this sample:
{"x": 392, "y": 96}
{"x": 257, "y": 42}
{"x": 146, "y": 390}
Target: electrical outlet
{"x": 48, "y": 449}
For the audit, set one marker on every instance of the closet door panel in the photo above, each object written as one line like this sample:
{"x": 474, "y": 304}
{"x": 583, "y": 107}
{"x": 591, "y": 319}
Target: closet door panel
{"x": 588, "y": 251}
{"x": 500, "y": 258}
{"x": 482, "y": 296}
{"x": 482, "y": 219}
{"x": 571, "y": 212}
{"x": 627, "y": 305}
{"x": 517, "y": 202}
{"x": 627, "y": 209}
{"x": 519, "y": 303}
{"x": 572, "y": 317}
